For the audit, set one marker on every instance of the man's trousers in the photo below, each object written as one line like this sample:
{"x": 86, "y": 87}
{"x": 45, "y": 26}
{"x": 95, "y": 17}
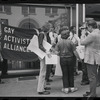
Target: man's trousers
{"x": 92, "y": 75}
{"x": 42, "y": 74}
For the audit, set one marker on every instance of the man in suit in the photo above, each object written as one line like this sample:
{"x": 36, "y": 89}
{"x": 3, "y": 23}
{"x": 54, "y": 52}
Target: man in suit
{"x": 92, "y": 55}
{"x": 85, "y": 79}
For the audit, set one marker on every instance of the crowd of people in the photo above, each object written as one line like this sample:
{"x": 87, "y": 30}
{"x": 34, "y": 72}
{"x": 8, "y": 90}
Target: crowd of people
{"x": 64, "y": 45}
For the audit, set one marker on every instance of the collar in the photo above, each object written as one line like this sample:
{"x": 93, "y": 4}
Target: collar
{"x": 95, "y": 30}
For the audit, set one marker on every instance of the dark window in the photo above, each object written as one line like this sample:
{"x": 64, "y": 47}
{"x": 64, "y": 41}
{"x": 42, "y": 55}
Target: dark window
{"x": 47, "y": 11}
{"x": 7, "y": 9}
{"x": 25, "y": 10}
{"x": 54, "y": 10}
{"x": 32, "y": 10}
{"x": 1, "y": 8}
{"x": 4, "y": 21}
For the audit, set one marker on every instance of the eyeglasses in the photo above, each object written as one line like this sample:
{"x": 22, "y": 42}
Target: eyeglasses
{"x": 83, "y": 28}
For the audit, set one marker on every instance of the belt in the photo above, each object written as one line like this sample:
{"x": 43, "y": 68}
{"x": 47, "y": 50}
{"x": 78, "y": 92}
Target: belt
{"x": 65, "y": 57}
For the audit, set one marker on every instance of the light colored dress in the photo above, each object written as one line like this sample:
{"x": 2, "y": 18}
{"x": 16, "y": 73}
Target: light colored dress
{"x": 58, "y": 71}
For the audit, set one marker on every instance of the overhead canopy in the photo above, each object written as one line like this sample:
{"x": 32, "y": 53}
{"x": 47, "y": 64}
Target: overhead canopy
{"x": 93, "y": 10}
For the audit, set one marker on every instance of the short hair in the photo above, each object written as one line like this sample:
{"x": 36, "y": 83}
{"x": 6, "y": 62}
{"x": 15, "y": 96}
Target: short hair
{"x": 65, "y": 34}
{"x": 63, "y": 28}
{"x": 92, "y": 23}
{"x": 72, "y": 27}
{"x": 99, "y": 26}
{"x": 39, "y": 29}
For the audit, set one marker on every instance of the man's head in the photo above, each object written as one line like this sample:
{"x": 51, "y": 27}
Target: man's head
{"x": 91, "y": 25}
{"x": 65, "y": 34}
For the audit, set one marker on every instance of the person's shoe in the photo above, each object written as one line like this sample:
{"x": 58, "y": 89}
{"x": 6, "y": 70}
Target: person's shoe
{"x": 44, "y": 93}
{"x": 86, "y": 94}
{"x": 73, "y": 89}
{"x": 4, "y": 74}
{"x": 49, "y": 80}
{"x": 2, "y": 82}
{"x": 76, "y": 73}
{"x": 84, "y": 83}
{"x": 47, "y": 88}
{"x": 98, "y": 84}
{"x": 91, "y": 97}
{"x": 65, "y": 90}
{"x": 47, "y": 83}
{"x": 52, "y": 74}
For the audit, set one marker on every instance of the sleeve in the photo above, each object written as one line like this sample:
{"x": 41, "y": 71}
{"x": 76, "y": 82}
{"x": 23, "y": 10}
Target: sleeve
{"x": 51, "y": 37}
{"x": 78, "y": 39}
{"x": 73, "y": 46}
{"x": 57, "y": 47}
{"x": 40, "y": 39}
{"x": 70, "y": 36}
{"x": 0, "y": 56}
{"x": 87, "y": 40}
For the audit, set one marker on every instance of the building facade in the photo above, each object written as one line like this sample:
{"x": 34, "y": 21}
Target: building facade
{"x": 30, "y": 16}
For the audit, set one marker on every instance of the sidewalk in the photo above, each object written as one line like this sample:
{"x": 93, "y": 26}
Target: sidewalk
{"x": 14, "y": 87}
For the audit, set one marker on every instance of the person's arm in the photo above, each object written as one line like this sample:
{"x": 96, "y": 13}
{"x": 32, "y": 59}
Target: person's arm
{"x": 70, "y": 36}
{"x": 40, "y": 39}
{"x": 57, "y": 49}
{"x": 77, "y": 55}
{"x": 1, "y": 57}
{"x": 87, "y": 40}
{"x": 51, "y": 37}
{"x": 78, "y": 39}
{"x": 74, "y": 51}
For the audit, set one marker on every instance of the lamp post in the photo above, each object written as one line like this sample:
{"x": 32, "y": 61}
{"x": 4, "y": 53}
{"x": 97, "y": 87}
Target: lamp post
{"x": 83, "y": 12}
{"x": 70, "y": 16}
{"x": 77, "y": 17}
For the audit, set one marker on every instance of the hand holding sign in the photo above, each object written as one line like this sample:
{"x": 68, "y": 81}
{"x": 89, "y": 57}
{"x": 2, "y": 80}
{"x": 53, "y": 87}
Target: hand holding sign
{"x": 33, "y": 46}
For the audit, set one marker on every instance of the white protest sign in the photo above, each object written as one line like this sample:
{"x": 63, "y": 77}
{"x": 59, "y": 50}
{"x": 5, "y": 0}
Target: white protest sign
{"x": 80, "y": 50}
{"x": 34, "y": 47}
{"x": 51, "y": 60}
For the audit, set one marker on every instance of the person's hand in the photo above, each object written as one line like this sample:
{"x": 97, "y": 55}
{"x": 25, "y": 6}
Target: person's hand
{"x": 1, "y": 59}
{"x": 48, "y": 54}
{"x": 79, "y": 59}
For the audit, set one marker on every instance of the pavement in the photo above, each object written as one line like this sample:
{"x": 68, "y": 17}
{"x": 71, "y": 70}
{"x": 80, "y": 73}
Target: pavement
{"x": 26, "y": 87}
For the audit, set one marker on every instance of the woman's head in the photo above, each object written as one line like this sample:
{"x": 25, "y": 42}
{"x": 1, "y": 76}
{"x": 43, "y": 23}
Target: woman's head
{"x": 73, "y": 29}
{"x": 63, "y": 28}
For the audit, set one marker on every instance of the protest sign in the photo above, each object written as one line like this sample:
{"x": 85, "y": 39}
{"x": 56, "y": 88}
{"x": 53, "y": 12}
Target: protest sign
{"x": 58, "y": 71}
{"x": 34, "y": 47}
{"x": 14, "y": 42}
{"x": 51, "y": 60}
{"x": 80, "y": 50}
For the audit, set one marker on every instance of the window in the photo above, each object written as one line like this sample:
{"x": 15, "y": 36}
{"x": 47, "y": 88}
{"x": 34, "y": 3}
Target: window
{"x": 47, "y": 11}
{"x": 51, "y": 11}
{"x": 26, "y": 10}
{"x": 32, "y": 10}
{"x": 5, "y": 9}
{"x": 1, "y": 8}
{"x": 54, "y": 11}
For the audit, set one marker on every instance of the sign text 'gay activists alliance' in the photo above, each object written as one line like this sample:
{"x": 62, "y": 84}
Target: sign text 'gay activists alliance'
{"x": 14, "y": 43}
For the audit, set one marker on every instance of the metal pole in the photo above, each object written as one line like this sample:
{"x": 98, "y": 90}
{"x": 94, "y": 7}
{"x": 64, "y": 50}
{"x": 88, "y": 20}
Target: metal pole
{"x": 83, "y": 12}
{"x": 70, "y": 16}
{"x": 77, "y": 17}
